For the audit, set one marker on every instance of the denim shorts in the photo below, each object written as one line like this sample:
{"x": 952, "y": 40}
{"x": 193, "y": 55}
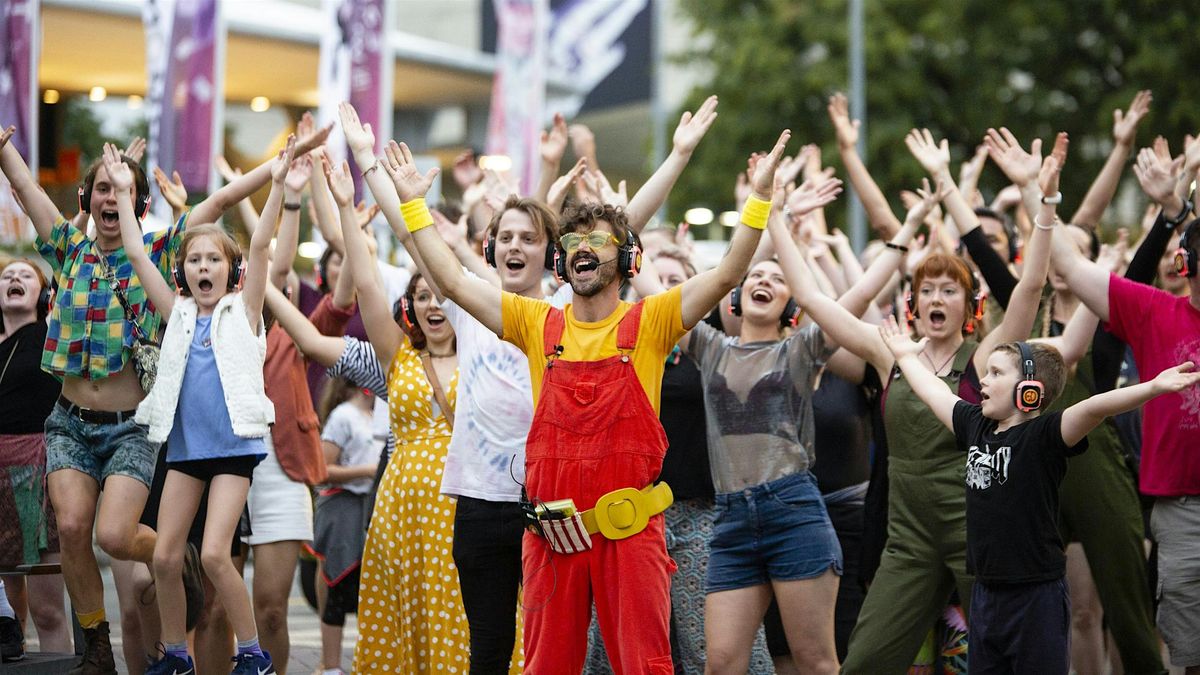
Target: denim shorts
{"x": 775, "y": 531}
{"x": 99, "y": 450}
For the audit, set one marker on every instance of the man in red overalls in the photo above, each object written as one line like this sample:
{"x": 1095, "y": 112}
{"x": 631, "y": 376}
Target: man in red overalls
{"x": 596, "y": 367}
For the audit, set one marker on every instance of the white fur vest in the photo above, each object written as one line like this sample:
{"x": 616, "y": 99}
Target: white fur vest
{"x": 239, "y": 354}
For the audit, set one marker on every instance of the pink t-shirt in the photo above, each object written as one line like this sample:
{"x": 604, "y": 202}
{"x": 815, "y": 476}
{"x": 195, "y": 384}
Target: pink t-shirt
{"x": 1164, "y": 331}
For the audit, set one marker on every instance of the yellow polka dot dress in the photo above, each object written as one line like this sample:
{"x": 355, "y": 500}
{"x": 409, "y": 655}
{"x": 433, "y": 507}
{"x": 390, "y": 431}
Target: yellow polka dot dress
{"x": 410, "y": 611}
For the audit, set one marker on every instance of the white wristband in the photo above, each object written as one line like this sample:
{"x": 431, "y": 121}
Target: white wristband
{"x": 1040, "y": 226}
{"x": 1055, "y": 199}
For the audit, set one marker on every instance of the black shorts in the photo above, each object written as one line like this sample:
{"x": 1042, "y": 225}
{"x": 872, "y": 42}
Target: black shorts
{"x": 207, "y": 469}
{"x": 196, "y": 532}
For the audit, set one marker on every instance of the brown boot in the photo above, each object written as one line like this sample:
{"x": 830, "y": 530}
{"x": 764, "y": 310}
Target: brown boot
{"x": 97, "y": 653}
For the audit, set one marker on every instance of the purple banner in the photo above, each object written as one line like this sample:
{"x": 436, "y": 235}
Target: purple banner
{"x": 189, "y": 94}
{"x": 18, "y": 101}
{"x": 519, "y": 90}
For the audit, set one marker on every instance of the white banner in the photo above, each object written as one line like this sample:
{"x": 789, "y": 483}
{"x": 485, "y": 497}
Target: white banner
{"x": 519, "y": 90}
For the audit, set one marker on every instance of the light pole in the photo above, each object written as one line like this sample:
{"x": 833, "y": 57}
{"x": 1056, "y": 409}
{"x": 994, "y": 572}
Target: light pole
{"x": 858, "y": 111}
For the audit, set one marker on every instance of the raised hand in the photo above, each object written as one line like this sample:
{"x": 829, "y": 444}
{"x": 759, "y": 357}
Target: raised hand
{"x": 839, "y": 114}
{"x": 341, "y": 183}
{"x": 813, "y": 194}
{"x": 554, "y": 141}
{"x": 1021, "y": 167}
{"x": 934, "y": 157}
{"x": 136, "y": 149}
{"x": 452, "y": 233}
{"x": 926, "y": 200}
{"x": 1191, "y": 154}
{"x": 562, "y": 185}
{"x": 583, "y": 141}
{"x": 119, "y": 173}
{"x": 7, "y": 134}
{"x": 306, "y": 126}
{"x": 466, "y": 171}
{"x": 1125, "y": 123}
{"x": 410, "y": 184}
{"x": 597, "y": 183}
{"x": 692, "y": 127}
{"x": 315, "y": 138}
{"x": 1178, "y": 378}
{"x": 898, "y": 342}
{"x": 1007, "y": 198}
{"x": 299, "y": 174}
{"x": 1112, "y": 256}
{"x": 283, "y": 162}
{"x": 365, "y": 214}
{"x": 1052, "y": 166}
{"x": 359, "y": 136}
{"x": 172, "y": 189}
{"x": 227, "y": 172}
{"x": 1157, "y": 175}
{"x": 762, "y": 179}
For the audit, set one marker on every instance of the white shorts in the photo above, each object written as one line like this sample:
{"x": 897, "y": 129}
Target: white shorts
{"x": 280, "y": 508}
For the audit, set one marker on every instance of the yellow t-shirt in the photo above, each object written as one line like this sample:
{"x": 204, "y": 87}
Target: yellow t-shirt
{"x": 661, "y": 327}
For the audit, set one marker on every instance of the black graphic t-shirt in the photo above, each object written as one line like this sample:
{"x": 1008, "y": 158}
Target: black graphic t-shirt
{"x": 1012, "y": 496}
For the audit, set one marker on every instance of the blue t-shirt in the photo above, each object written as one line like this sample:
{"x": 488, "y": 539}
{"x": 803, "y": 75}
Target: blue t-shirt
{"x": 202, "y": 428}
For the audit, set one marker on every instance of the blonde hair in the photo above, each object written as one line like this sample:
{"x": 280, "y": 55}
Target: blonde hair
{"x": 229, "y": 248}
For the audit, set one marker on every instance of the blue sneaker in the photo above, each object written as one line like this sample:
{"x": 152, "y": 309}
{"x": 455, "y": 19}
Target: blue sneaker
{"x": 172, "y": 665}
{"x": 252, "y": 664}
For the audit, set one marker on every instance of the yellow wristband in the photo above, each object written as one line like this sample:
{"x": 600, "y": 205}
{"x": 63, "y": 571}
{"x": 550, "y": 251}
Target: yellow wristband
{"x": 416, "y": 214}
{"x": 755, "y": 212}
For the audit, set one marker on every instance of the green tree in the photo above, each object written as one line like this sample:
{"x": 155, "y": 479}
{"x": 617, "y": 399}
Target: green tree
{"x": 954, "y": 67}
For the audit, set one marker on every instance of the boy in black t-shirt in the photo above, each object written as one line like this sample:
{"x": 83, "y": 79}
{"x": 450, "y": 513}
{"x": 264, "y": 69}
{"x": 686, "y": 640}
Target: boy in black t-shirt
{"x": 1016, "y": 458}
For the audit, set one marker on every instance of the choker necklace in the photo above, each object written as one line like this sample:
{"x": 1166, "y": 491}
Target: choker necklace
{"x": 441, "y": 356}
{"x": 938, "y": 369}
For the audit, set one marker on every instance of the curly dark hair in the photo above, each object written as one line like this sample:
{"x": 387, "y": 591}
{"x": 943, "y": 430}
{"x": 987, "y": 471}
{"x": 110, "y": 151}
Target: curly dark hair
{"x": 583, "y": 218}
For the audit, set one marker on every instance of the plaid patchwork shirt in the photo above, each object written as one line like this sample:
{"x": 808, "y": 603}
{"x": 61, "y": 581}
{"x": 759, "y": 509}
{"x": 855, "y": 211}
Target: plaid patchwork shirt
{"x": 89, "y": 336}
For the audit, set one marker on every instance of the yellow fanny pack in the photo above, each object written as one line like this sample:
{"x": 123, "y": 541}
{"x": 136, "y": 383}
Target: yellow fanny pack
{"x": 617, "y": 515}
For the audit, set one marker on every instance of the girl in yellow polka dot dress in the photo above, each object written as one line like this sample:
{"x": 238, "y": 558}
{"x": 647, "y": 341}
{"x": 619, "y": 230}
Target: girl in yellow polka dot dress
{"x": 410, "y": 611}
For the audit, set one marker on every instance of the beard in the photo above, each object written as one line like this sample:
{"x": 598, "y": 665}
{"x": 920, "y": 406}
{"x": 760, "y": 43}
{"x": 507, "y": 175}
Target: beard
{"x": 604, "y": 275}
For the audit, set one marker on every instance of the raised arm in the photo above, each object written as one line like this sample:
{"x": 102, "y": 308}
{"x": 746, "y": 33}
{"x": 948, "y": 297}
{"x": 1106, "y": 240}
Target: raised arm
{"x": 1105, "y": 186}
{"x": 653, "y": 193}
{"x": 381, "y": 327}
{"x": 37, "y": 204}
{"x": 288, "y": 239}
{"x": 840, "y": 326}
{"x": 928, "y": 386}
{"x": 879, "y": 212}
{"x": 552, "y": 147}
{"x": 209, "y": 210}
{"x": 1018, "y": 318}
{"x": 322, "y": 349}
{"x": 324, "y": 211}
{"x": 121, "y": 177}
{"x": 1086, "y": 415}
{"x": 703, "y": 291}
{"x": 1022, "y": 168}
{"x": 259, "y": 258}
{"x": 478, "y": 297}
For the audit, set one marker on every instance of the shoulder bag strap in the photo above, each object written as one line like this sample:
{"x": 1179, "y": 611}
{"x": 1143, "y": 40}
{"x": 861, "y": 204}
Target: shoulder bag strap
{"x": 438, "y": 394}
{"x": 120, "y": 293}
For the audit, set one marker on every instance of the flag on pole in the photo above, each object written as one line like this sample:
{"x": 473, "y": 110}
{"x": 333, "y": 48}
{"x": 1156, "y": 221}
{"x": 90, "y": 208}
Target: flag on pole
{"x": 19, "y": 32}
{"x": 519, "y": 89}
{"x": 356, "y": 66}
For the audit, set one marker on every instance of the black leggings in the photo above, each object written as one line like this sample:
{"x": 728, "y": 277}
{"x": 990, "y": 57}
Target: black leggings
{"x": 340, "y": 600}
{"x": 487, "y": 552}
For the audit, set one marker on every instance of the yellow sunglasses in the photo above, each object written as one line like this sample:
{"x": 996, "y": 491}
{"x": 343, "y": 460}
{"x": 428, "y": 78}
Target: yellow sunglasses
{"x": 595, "y": 239}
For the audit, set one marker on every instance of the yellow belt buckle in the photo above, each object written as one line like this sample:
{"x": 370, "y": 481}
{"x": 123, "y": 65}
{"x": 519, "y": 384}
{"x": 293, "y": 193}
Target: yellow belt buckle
{"x": 621, "y": 513}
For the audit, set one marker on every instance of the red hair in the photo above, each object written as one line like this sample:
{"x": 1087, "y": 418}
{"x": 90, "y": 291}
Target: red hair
{"x": 954, "y": 267}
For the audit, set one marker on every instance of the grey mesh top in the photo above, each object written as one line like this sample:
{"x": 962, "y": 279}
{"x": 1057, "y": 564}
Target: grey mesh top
{"x": 758, "y": 397}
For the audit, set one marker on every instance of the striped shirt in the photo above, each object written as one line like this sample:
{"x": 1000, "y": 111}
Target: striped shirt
{"x": 88, "y": 335}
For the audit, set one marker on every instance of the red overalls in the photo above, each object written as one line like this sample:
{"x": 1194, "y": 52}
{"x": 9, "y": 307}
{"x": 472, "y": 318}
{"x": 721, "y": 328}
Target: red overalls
{"x": 593, "y": 432}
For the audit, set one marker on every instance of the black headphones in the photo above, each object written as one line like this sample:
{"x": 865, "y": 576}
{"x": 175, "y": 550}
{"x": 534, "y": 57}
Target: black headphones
{"x": 45, "y": 297}
{"x": 789, "y": 318}
{"x": 1185, "y": 256}
{"x": 236, "y": 271}
{"x": 977, "y": 296}
{"x": 1030, "y": 392}
{"x": 629, "y": 257}
{"x": 141, "y": 201}
{"x": 489, "y": 251}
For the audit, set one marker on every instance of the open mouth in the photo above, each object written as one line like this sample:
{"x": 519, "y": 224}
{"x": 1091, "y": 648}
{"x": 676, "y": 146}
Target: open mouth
{"x": 110, "y": 218}
{"x": 205, "y": 285}
{"x": 16, "y": 291}
{"x": 585, "y": 264}
{"x": 761, "y": 295}
{"x": 435, "y": 320}
{"x": 514, "y": 264}
{"x": 937, "y": 318}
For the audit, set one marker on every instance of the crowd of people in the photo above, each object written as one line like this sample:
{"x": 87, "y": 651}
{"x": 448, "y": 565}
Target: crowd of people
{"x": 550, "y": 443}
